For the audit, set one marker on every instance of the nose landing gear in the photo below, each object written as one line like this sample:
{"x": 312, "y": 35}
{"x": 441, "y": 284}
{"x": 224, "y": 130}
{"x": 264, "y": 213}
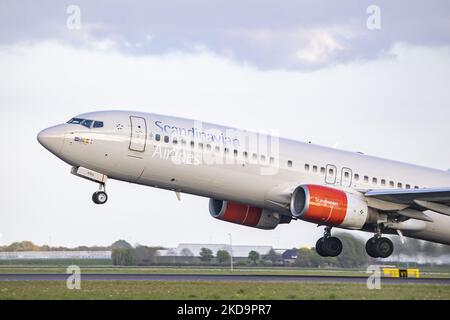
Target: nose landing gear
{"x": 328, "y": 246}
{"x": 379, "y": 247}
{"x": 100, "y": 197}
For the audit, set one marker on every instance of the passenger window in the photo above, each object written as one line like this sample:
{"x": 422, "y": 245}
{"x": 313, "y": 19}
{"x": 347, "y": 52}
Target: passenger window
{"x": 306, "y": 167}
{"x": 374, "y": 180}
{"x": 166, "y": 139}
{"x": 383, "y": 182}
{"x": 322, "y": 170}
{"x": 263, "y": 158}
{"x": 200, "y": 145}
{"x": 400, "y": 185}
{"x": 226, "y": 150}
{"x": 235, "y": 153}
{"x": 272, "y": 160}
{"x": 158, "y": 137}
{"x": 391, "y": 183}
{"x": 255, "y": 156}
{"x": 245, "y": 154}
{"x": 366, "y": 179}
{"x": 416, "y": 187}
{"x": 315, "y": 169}
{"x": 408, "y": 186}
{"x": 175, "y": 141}
{"x": 208, "y": 147}
{"x": 289, "y": 164}
{"x": 347, "y": 175}
{"x": 356, "y": 177}
{"x": 217, "y": 149}
{"x": 192, "y": 144}
{"x": 331, "y": 172}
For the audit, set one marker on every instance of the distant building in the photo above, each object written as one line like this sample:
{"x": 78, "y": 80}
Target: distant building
{"x": 290, "y": 256}
{"x": 57, "y": 255}
{"x": 239, "y": 251}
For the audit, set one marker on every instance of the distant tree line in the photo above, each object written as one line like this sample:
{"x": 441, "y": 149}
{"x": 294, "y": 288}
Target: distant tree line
{"x": 123, "y": 254}
{"x": 30, "y": 246}
{"x": 352, "y": 256}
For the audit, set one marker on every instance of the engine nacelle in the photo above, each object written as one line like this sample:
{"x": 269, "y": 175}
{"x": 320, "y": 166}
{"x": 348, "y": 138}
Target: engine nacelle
{"x": 245, "y": 215}
{"x": 329, "y": 206}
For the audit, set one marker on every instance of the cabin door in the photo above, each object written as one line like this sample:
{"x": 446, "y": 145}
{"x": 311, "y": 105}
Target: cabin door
{"x": 138, "y": 138}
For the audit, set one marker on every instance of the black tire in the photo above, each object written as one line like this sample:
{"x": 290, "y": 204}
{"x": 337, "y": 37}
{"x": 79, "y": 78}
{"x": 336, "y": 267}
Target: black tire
{"x": 384, "y": 247}
{"x": 370, "y": 248}
{"x": 332, "y": 247}
{"x": 319, "y": 248}
{"x": 100, "y": 197}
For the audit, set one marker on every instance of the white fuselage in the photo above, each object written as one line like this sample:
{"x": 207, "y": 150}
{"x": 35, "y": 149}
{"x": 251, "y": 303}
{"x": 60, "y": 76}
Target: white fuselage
{"x": 224, "y": 163}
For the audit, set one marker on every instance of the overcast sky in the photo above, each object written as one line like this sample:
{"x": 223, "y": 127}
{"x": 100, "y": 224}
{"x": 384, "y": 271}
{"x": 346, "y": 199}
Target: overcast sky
{"x": 312, "y": 71}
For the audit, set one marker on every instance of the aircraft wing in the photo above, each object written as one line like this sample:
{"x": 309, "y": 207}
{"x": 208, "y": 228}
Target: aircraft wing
{"x": 435, "y": 199}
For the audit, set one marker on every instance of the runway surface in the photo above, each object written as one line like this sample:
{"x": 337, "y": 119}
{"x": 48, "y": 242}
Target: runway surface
{"x": 217, "y": 278}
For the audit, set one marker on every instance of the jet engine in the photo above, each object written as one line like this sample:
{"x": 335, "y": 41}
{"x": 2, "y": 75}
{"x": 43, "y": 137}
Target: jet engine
{"x": 246, "y": 215}
{"x": 329, "y": 206}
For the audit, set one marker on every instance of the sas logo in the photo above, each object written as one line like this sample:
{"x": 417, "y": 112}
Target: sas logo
{"x": 83, "y": 140}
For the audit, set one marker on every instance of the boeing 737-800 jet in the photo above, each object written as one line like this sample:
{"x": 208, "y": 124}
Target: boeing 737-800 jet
{"x": 258, "y": 180}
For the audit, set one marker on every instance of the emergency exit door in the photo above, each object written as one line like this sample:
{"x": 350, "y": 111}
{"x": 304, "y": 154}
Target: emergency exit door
{"x": 138, "y": 134}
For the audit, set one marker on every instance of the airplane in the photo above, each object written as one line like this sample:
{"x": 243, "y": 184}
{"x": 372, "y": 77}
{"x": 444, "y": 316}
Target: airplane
{"x": 258, "y": 180}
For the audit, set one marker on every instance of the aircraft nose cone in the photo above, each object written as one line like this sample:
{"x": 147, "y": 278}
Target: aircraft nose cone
{"x": 52, "y": 139}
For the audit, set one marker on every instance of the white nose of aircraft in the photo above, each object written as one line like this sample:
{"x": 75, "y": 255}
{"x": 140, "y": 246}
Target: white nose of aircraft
{"x": 52, "y": 138}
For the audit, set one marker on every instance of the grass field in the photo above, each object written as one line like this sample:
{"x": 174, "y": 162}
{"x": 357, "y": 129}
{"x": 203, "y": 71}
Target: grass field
{"x": 213, "y": 291}
{"x": 177, "y": 270}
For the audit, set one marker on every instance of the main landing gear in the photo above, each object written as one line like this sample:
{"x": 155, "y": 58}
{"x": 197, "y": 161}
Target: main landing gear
{"x": 100, "y": 197}
{"x": 379, "y": 247}
{"x": 376, "y": 247}
{"x": 328, "y": 246}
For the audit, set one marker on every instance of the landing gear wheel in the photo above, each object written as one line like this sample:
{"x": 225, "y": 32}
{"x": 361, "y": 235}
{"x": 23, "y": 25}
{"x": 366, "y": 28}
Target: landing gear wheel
{"x": 319, "y": 248}
{"x": 332, "y": 246}
{"x": 379, "y": 247}
{"x": 100, "y": 197}
{"x": 329, "y": 247}
{"x": 384, "y": 247}
{"x": 370, "y": 248}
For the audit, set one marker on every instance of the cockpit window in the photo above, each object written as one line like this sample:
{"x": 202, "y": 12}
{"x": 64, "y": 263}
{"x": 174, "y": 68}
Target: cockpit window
{"x": 86, "y": 123}
{"x": 98, "y": 124}
{"x": 75, "y": 121}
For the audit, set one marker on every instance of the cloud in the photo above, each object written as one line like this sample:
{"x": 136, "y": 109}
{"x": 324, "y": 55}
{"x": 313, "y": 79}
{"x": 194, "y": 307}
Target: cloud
{"x": 291, "y": 35}
{"x": 321, "y": 48}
